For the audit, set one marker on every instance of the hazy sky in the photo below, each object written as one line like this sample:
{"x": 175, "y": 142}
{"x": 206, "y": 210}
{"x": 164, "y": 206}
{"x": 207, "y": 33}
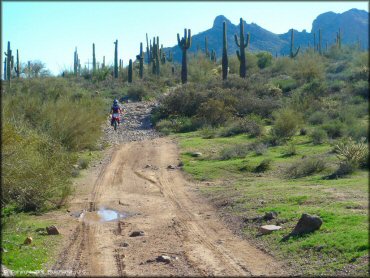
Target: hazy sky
{"x": 50, "y": 31}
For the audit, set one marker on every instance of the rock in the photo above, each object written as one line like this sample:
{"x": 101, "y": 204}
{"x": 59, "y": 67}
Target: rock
{"x": 3, "y": 250}
{"x": 148, "y": 166}
{"x": 137, "y": 233}
{"x": 28, "y": 240}
{"x": 124, "y": 244}
{"x": 5, "y": 272}
{"x": 196, "y": 154}
{"x": 76, "y": 166}
{"x": 52, "y": 230}
{"x": 268, "y": 229}
{"x": 163, "y": 258}
{"x": 171, "y": 167}
{"x": 306, "y": 224}
{"x": 270, "y": 215}
{"x": 180, "y": 164}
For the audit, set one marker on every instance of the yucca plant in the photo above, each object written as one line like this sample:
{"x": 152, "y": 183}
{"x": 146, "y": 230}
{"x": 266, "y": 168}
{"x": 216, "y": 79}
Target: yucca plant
{"x": 351, "y": 151}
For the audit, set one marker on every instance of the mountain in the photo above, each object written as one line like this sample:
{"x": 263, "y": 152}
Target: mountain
{"x": 354, "y": 25}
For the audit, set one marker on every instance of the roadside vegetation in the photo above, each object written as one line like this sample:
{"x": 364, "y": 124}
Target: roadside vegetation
{"x": 290, "y": 138}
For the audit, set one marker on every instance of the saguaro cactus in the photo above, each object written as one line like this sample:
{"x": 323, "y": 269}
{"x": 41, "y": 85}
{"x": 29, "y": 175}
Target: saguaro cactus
{"x": 17, "y": 68}
{"x": 103, "y": 65}
{"x": 29, "y": 69}
{"x": 140, "y": 57}
{"x": 225, "y": 62}
{"x": 339, "y": 39}
{"x": 213, "y": 56}
{"x": 155, "y": 56}
{"x": 184, "y": 44}
{"x": 320, "y": 41}
{"x": 94, "y": 60}
{"x": 75, "y": 62}
{"x": 9, "y": 65}
{"x": 242, "y": 44}
{"x": 292, "y": 54}
{"x": 314, "y": 42}
{"x": 147, "y": 48}
{"x": 206, "y": 47}
{"x": 130, "y": 71}
{"x": 116, "y": 59}
{"x": 5, "y": 68}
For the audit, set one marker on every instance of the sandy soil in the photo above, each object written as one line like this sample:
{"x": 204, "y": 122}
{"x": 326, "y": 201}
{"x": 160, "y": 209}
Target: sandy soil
{"x": 134, "y": 180}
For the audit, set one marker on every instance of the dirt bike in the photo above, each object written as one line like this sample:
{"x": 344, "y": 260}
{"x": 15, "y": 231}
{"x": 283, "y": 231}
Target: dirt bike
{"x": 116, "y": 120}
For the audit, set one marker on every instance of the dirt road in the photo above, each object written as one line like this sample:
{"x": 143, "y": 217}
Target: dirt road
{"x": 169, "y": 217}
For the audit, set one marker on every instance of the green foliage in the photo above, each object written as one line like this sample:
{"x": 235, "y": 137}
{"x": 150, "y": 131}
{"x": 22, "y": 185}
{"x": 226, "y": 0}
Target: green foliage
{"x": 305, "y": 167}
{"x": 286, "y": 123}
{"x": 318, "y": 136}
{"x": 309, "y": 66}
{"x": 232, "y": 152}
{"x": 263, "y": 166}
{"x": 214, "y": 112}
{"x": 264, "y": 59}
{"x": 334, "y": 128}
{"x": 137, "y": 92}
{"x": 355, "y": 153}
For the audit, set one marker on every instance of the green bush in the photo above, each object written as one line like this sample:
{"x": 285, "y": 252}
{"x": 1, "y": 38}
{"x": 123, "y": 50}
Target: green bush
{"x": 334, "y": 128}
{"x": 290, "y": 150}
{"x": 263, "y": 166}
{"x": 286, "y": 123}
{"x": 318, "y": 136}
{"x": 214, "y": 112}
{"x": 258, "y": 147}
{"x": 264, "y": 59}
{"x": 208, "y": 132}
{"x": 137, "y": 92}
{"x": 237, "y": 151}
{"x": 317, "y": 118}
{"x": 309, "y": 66}
{"x": 305, "y": 167}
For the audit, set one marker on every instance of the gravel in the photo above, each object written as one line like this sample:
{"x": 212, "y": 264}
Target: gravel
{"x": 135, "y": 124}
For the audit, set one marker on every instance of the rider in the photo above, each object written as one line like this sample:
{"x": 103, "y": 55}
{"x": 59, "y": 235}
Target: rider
{"x": 115, "y": 109}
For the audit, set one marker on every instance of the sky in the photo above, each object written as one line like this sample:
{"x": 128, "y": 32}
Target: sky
{"x": 50, "y": 31}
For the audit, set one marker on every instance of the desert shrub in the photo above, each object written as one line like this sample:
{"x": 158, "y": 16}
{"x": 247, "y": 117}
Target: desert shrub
{"x": 165, "y": 126}
{"x": 315, "y": 88}
{"x": 137, "y": 92}
{"x": 361, "y": 88}
{"x": 344, "y": 169}
{"x": 236, "y": 151}
{"x": 352, "y": 152}
{"x": 290, "y": 150}
{"x": 214, "y": 112}
{"x": 334, "y": 128}
{"x": 83, "y": 163}
{"x": 286, "y": 84}
{"x": 317, "y": 118}
{"x": 259, "y": 148}
{"x": 318, "y": 136}
{"x": 357, "y": 131}
{"x": 200, "y": 68}
{"x": 263, "y": 166}
{"x": 177, "y": 124}
{"x": 264, "y": 59}
{"x": 208, "y": 132}
{"x": 309, "y": 66}
{"x": 251, "y": 124}
{"x": 282, "y": 65}
{"x": 286, "y": 123}
{"x": 303, "y": 131}
{"x": 36, "y": 169}
{"x": 305, "y": 167}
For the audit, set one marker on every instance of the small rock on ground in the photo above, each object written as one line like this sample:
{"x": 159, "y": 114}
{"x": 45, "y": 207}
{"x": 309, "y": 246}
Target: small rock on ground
{"x": 268, "y": 229}
{"x": 5, "y": 272}
{"x": 137, "y": 233}
{"x": 163, "y": 258}
{"x": 52, "y": 230}
{"x": 307, "y": 224}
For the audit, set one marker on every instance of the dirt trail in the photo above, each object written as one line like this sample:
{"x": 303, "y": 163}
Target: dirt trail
{"x": 177, "y": 222}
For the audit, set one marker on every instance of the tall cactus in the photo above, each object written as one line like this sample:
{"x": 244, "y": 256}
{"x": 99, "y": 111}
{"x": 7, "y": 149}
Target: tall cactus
{"x": 17, "y": 67}
{"x": 339, "y": 39}
{"x": 130, "y": 71}
{"x": 75, "y": 62}
{"x": 9, "y": 66}
{"x": 5, "y": 68}
{"x": 206, "y": 47}
{"x": 242, "y": 44}
{"x": 103, "y": 65}
{"x": 184, "y": 44}
{"x": 162, "y": 55}
{"x": 292, "y": 54}
{"x": 140, "y": 57}
{"x": 116, "y": 59}
{"x": 155, "y": 57}
{"x": 225, "y": 61}
{"x": 213, "y": 56}
{"x": 320, "y": 41}
{"x": 29, "y": 69}
{"x": 94, "y": 60}
{"x": 314, "y": 42}
{"x": 147, "y": 48}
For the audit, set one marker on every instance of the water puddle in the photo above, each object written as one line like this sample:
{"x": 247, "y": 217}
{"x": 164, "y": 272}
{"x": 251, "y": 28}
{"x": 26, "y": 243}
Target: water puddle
{"x": 107, "y": 215}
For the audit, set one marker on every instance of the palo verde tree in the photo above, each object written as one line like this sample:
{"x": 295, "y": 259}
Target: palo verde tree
{"x": 242, "y": 44}
{"x": 225, "y": 61}
{"x": 292, "y": 54}
{"x": 184, "y": 44}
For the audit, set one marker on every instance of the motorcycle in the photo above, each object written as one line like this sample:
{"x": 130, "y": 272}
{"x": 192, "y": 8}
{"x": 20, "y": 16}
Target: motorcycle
{"x": 116, "y": 120}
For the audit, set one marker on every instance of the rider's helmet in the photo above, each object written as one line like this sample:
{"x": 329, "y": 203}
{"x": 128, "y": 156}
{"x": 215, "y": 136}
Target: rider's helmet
{"x": 115, "y": 102}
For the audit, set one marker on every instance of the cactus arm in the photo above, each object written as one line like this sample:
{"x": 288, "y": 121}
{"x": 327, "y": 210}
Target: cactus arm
{"x": 236, "y": 40}
{"x": 178, "y": 39}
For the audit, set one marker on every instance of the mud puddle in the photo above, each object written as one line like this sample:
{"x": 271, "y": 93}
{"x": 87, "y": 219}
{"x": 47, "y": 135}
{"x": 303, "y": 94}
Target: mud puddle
{"x": 102, "y": 215}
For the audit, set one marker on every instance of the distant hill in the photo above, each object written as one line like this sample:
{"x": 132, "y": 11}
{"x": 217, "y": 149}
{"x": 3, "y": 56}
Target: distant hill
{"x": 354, "y": 24}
